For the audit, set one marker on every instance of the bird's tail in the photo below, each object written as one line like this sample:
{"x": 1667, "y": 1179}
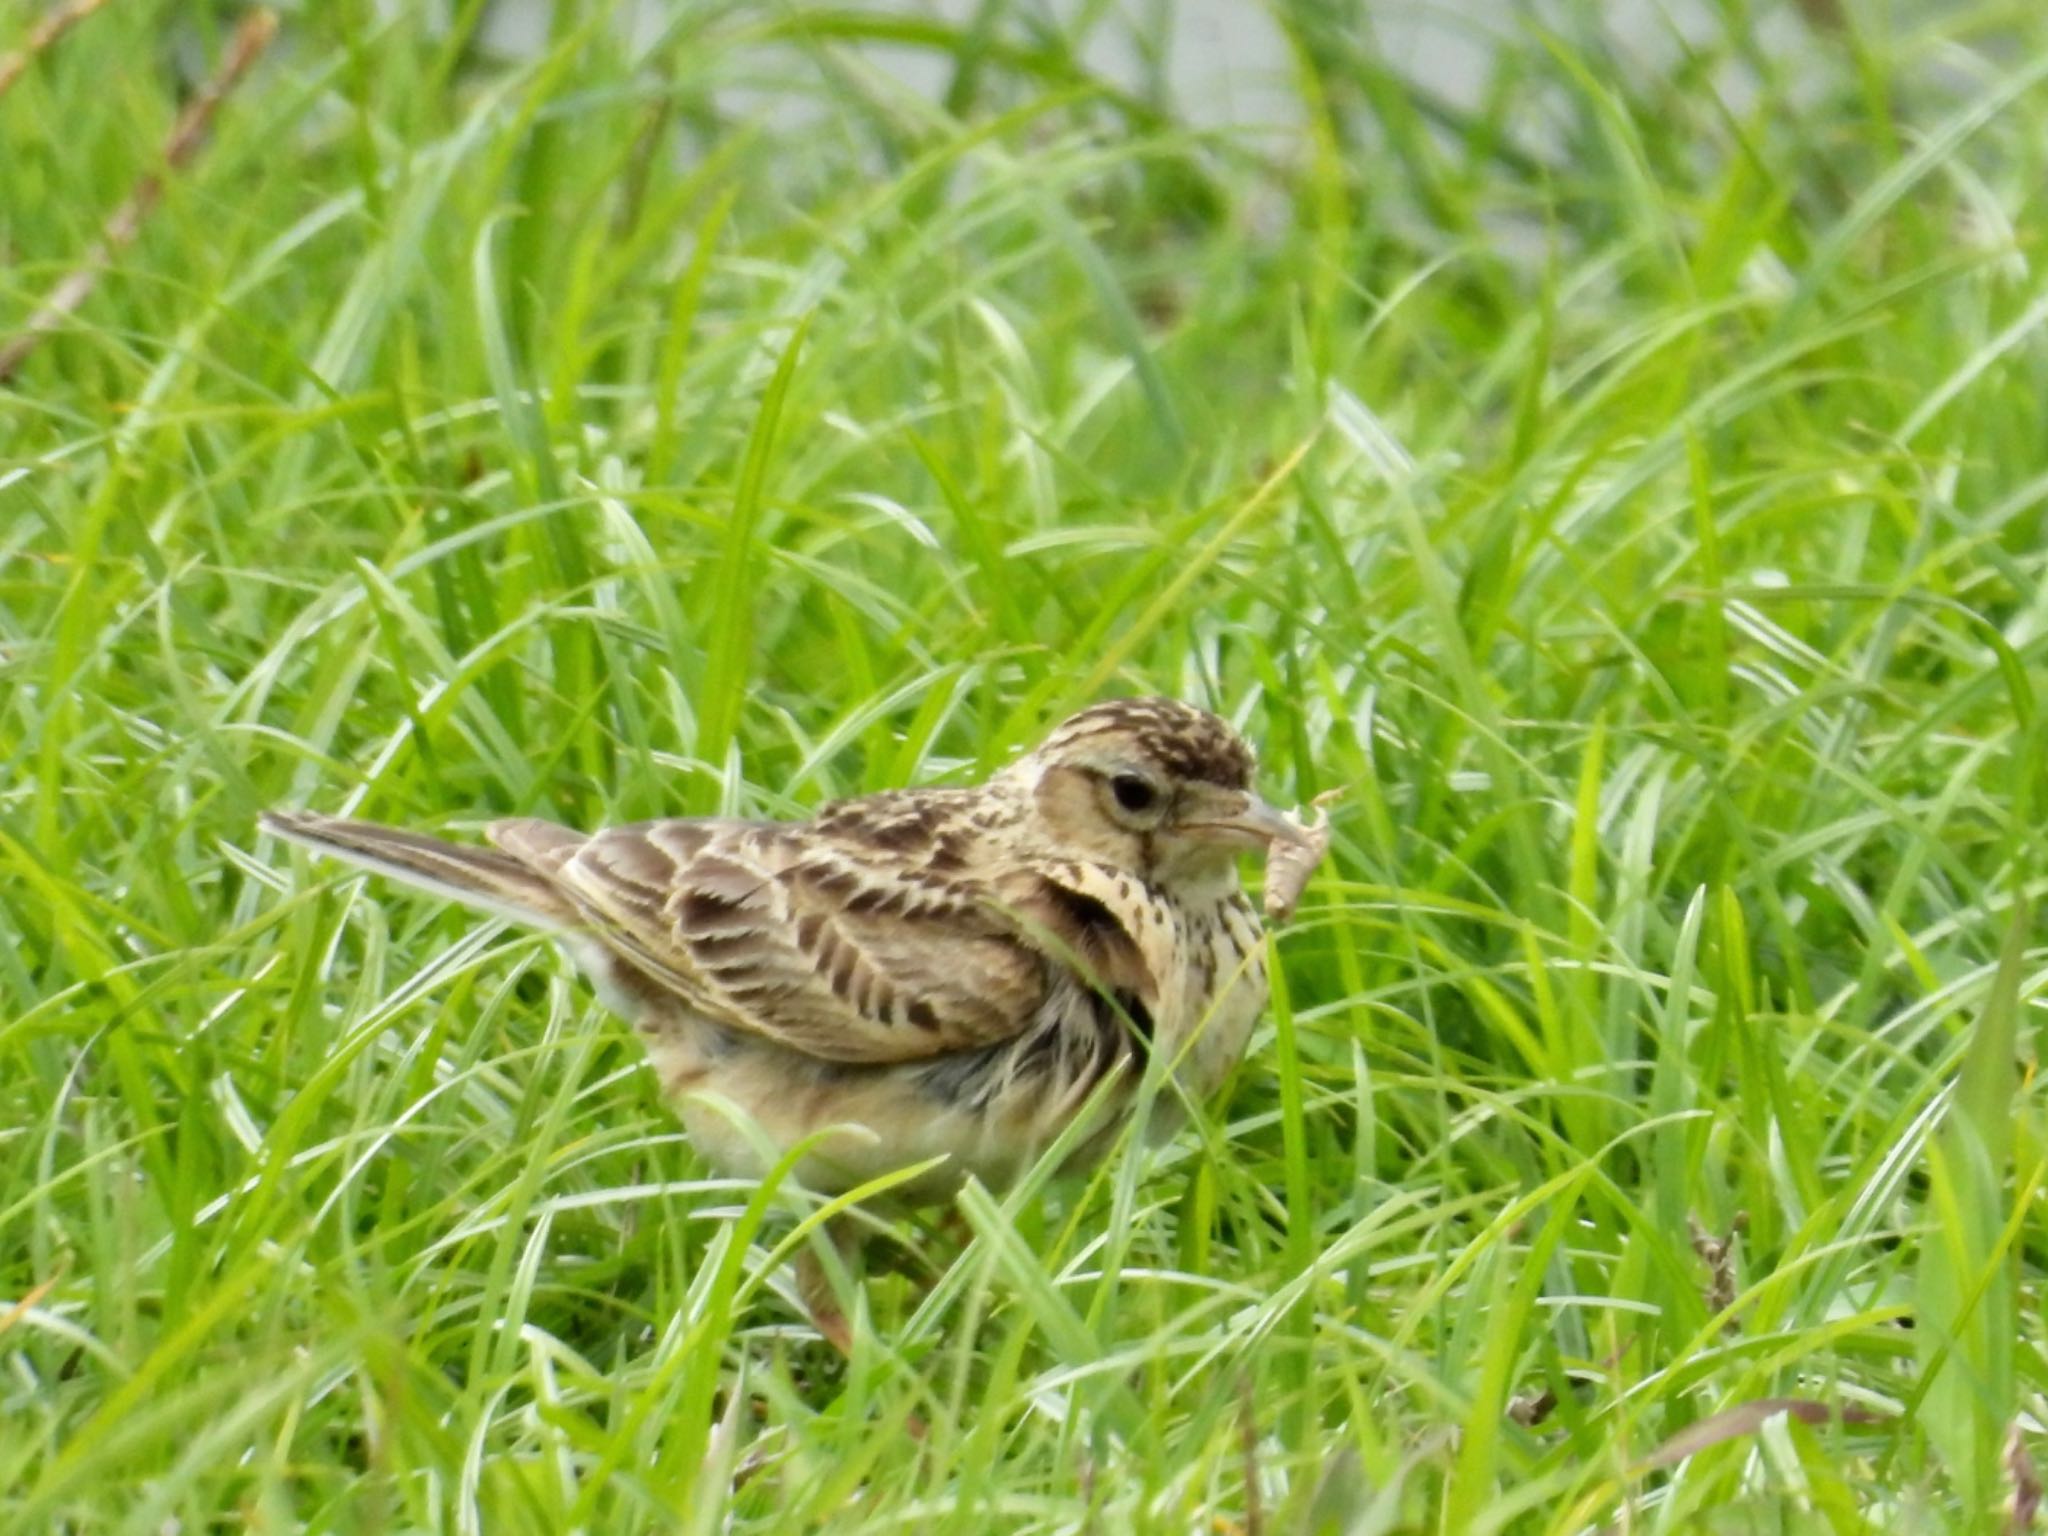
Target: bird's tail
{"x": 483, "y": 878}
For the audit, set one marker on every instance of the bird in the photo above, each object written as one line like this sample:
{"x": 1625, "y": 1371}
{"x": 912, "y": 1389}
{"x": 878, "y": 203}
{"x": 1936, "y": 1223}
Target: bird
{"x": 944, "y": 976}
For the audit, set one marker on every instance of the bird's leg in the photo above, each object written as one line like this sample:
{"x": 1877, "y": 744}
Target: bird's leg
{"x": 821, "y": 1303}
{"x": 814, "y": 1286}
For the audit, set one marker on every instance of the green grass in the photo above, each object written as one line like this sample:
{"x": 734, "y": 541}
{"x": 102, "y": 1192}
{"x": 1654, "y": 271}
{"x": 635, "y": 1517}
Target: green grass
{"x": 1634, "y": 489}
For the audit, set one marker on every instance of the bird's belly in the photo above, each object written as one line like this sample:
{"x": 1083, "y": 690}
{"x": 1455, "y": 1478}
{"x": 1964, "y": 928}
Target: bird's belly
{"x": 747, "y": 1104}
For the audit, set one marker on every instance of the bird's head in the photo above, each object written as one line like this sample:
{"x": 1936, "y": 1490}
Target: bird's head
{"x": 1155, "y": 787}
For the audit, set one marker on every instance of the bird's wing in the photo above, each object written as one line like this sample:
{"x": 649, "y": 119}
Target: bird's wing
{"x": 819, "y": 940}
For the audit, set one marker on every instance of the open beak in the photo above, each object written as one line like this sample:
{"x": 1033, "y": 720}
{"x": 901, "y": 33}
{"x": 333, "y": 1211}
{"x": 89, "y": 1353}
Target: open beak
{"x": 1245, "y": 822}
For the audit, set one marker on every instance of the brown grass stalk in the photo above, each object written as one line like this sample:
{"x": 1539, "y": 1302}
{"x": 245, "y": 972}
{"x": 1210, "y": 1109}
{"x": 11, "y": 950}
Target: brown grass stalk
{"x": 187, "y": 136}
{"x": 42, "y": 37}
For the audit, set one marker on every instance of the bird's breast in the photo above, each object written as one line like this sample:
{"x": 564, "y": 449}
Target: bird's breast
{"x": 1217, "y": 990}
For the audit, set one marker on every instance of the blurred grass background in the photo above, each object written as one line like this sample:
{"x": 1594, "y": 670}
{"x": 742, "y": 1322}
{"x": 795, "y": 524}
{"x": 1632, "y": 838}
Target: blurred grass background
{"x": 1626, "y": 477}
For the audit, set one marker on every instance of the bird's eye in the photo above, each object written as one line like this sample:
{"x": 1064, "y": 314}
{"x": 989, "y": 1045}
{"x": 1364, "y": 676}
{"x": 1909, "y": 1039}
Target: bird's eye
{"x": 1132, "y": 792}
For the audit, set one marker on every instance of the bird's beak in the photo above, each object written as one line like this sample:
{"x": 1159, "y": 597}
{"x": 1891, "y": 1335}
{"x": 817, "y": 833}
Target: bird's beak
{"x": 1244, "y": 821}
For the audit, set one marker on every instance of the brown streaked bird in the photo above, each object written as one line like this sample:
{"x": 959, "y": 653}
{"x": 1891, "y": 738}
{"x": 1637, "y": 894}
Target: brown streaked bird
{"x": 952, "y": 972}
